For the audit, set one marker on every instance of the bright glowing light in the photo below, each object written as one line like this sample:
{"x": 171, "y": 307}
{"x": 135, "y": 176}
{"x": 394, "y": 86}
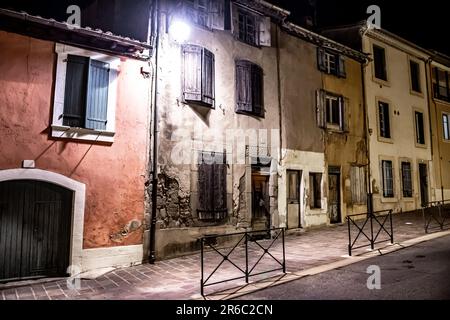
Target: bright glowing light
{"x": 179, "y": 30}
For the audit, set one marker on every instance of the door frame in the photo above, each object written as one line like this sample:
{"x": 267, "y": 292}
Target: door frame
{"x": 78, "y": 206}
{"x": 425, "y": 164}
{"x": 336, "y": 171}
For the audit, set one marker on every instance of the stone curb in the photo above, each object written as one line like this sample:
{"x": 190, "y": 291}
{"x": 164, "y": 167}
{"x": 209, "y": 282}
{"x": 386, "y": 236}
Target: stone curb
{"x": 289, "y": 277}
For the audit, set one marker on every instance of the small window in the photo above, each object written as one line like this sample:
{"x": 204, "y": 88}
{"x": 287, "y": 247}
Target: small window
{"x": 198, "y": 75}
{"x": 249, "y": 89}
{"x": 315, "y": 190}
{"x": 446, "y": 126}
{"x": 212, "y": 187}
{"x": 384, "y": 120}
{"x": 358, "y": 184}
{"x": 388, "y": 179}
{"x": 407, "y": 180}
{"x": 420, "y": 132}
{"x": 197, "y": 11}
{"x": 331, "y": 63}
{"x": 441, "y": 84}
{"x": 379, "y": 55}
{"x": 247, "y": 28}
{"x": 331, "y": 111}
{"x": 415, "y": 76}
{"x": 86, "y": 93}
{"x": 293, "y": 186}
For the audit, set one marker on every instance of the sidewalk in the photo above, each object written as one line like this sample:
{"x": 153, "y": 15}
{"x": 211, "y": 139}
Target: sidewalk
{"x": 180, "y": 278}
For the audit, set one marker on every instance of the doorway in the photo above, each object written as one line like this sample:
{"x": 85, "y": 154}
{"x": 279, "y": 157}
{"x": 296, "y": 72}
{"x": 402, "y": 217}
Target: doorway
{"x": 260, "y": 202}
{"x": 423, "y": 177}
{"x": 35, "y": 229}
{"x": 293, "y": 199}
{"x": 334, "y": 195}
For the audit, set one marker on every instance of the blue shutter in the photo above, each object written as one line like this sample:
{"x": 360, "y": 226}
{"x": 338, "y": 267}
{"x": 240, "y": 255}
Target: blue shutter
{"x": 75, "y": 91}
{"x": 97, "y": 95}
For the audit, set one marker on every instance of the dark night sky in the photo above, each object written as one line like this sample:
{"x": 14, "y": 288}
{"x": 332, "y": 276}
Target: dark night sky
{"x": 423, "y": 22}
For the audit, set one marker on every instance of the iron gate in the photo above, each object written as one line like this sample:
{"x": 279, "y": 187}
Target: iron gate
{"x": 436, "y": 215}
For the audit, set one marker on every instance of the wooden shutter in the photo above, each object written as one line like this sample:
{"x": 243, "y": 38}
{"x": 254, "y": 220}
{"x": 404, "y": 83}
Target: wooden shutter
{"x": 243, "y": 87}
{"x": 320, "y": 109}
{"x": 264, "y": 32}
{"x": 75, "y": 91}
{"x": 321, "y": 60}
{"x": 220, "y": 189}
{"x": 257, "y": 91}
{"x": 192, "y": 73}
{"x": 205, "y": 182}
{"x": 341, "y": 66}
{"x": 234, "y": 19}
{"x": 97, "y": 95}
{"x": 345, "y": 114}
{"x": 208, "y": 92}
{"x": 217, "y": 13}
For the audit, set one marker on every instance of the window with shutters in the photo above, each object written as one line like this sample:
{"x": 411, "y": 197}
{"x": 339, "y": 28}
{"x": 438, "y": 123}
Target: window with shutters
{"x": 420, "y": 130}
{"x": 198, "y": 76}
{"x": 209, "y": 14}
{"x": 414, "y": 70}
{"x": 407, "y": 180}
{"x": 358, "y": 185}
{"x": 331, "y": 63}
{"x": 441, "y": 84}
{"x": 315, "y": 190}
{"x": 212, "y": 187}
{"x": 249, "y": 27}
{"x": 249, "y": 89}
{"x": 85, "y": 95}
{"x": 388, "y": 178}
{"x": 384, "y": 120}
{"x": 331, "y": 111}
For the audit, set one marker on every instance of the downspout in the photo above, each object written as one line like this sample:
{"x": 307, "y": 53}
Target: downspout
{"x": 152, "y": 238}
{"x": 367, "y": 134}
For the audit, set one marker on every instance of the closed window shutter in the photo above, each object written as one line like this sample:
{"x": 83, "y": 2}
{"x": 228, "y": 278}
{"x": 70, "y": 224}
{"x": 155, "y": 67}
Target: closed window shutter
{"x": 320, "y": 109}
{"x": 321, "y": 60}
{"x": 75, "y": 91}
{"x": 208, "y": 77}
{"x": 341, "y": 66}
{"x": 243, "y": 87}
{"x": 217, "y": 13}
{"x": 97, "y": 95}
{"x": 192, "y": 73}
{"x": 345, "y": 113}
{"x": 220, "y": 190}
{"x": 205, "y": 185}
{"x": 257, "y": 91}
{"x": 234, "y": 19}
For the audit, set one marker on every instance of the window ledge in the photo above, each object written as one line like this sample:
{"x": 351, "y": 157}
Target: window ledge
{"x": 65, "y": 132}
{"x": 441, "y": 101}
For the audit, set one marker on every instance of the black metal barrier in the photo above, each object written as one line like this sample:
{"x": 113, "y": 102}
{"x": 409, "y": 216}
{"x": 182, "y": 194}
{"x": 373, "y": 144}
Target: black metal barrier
{"x": 244, "y": 239}
{"x": 376, "y": 223}
{"x": 436, "y": 215}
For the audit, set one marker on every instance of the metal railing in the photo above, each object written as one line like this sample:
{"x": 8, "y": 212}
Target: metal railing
{"x": 244, "y": 238}
{"x": 376, "y": 223}
{"x": 436, "y": 215}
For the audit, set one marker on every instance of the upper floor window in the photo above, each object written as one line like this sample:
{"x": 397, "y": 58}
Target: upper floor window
{"x": 198, "y": 75}
{"x": 414, "y": 69}
{"x": 85, "y": 95}
{"x": 420, "y": 131}
{"x": 379, "y": 56}
{"x": 388, "y": 179}
{"x": 249, "y": 89}
{"x": 446, "y": 126}
{"x": 331, "y": 111}
{"x": 384, "y": 120}
{"x": 249, "y": 27}
{"x": 441, "y": 84}
{"x": 197, "y": 12}
{"x": 331, "y": 63}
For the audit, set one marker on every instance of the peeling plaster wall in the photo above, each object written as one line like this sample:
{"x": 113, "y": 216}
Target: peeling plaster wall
{"x": 114, "y": 174}
{"x": 179, "y": 124}
{"x": 343, "y": 150}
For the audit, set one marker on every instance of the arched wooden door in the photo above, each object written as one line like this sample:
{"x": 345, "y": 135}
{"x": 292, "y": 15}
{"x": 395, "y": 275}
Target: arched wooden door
{"x": 35, "y": 229}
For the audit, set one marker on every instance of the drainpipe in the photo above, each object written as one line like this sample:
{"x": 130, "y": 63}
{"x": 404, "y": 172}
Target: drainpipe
{"x": 152, "y": 251}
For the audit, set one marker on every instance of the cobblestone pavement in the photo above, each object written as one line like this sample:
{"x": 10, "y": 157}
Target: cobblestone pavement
{"x": 180, "y": 278}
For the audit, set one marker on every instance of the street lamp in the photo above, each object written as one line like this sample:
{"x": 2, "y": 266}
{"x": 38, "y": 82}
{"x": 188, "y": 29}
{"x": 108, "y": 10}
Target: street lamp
{"x": 179, "y": 30}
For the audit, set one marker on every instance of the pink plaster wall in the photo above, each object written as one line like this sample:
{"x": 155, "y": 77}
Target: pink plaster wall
{"x": 114, "y": 174}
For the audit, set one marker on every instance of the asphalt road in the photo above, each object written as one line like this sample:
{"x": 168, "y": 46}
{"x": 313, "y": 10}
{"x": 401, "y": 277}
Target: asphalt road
{"x": 419, "y": 272}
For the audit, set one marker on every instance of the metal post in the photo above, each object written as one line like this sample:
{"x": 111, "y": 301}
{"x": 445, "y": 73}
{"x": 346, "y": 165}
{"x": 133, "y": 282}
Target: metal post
{"x": 284, "y": 253}
{"x": 246, "y": 258}
{"x": 392, "y": 227}
{"x": 441, "y": 222}
{"x": 349, "y": 238}
{"x": 372, "y": 241}
{"x": 202, "y": 268}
